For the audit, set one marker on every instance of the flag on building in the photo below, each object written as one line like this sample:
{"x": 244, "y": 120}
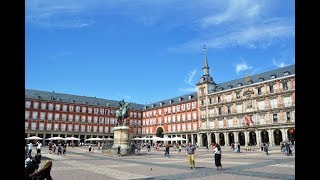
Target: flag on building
{"x": 248, "y": 120}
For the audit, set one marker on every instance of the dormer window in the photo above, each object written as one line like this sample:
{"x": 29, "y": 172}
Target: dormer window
{"x": 170, "y": 102}
{"x": 180, "y": 99}
{"x": 239, "y": 84}
{"x": 145, "y": 107}
{"x": 161, "y": 104}
{"x": 152, "y": 105}
{"x": 190, "y": 97}
{"x": 230, "y": 86}
{"x": 261, "y": 79}
{"x": 107, "y": 104}
{"x": 250, "y": 82}
{"x": 286, "y": 73}
{"x": 221, "y": 88}
{"x": 273, "y": 76}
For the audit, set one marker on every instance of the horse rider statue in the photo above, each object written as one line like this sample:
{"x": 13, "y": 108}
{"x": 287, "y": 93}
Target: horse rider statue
{"x": 121, "y": 114}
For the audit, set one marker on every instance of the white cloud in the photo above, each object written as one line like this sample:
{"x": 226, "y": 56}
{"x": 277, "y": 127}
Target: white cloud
{"x": 233, "y": 10}
{"x": 242, "y": 67}
{"x": 189, "y": 89}
{"x": 190, "y": 81}
{"x": 278, "y": 64}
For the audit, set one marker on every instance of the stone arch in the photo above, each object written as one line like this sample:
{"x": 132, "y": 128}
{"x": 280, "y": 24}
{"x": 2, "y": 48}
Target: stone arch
{"x": 230, "y": 138}
{"x": 213, "y": 138}
{"x": 204, "y": 139}
{"x": 221, "y": 139}
{"x": 159, "y": 132}
{"x": 264, "y": 136}
{"x": 252, "y": 138}
{"x": 241, "y": 138}
{"x": 277, "y": 136}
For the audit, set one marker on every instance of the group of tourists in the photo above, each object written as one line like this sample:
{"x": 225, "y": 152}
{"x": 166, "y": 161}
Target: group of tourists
{"x": 286, "y": 147}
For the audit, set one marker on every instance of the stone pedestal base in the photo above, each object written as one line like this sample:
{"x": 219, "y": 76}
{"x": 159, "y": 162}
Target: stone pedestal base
{"x": 121, "y": 138}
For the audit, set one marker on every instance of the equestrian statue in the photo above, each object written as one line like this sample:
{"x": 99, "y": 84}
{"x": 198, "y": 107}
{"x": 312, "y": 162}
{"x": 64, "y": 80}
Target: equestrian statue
{"x": 122, "y": 113}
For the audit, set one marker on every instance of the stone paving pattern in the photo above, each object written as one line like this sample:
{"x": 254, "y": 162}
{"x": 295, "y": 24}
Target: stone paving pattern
{"x": 79, "y": 164}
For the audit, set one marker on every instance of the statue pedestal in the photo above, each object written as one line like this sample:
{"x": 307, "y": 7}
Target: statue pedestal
{"x": 121, "y": 138}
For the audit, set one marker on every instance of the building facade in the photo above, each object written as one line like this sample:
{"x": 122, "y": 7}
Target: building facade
{"x": 250, "y": 110}
{"x": 50, "y": 114}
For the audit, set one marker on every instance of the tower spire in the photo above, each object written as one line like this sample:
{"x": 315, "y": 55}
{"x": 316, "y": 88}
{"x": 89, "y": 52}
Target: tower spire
{"x": 205, "y": 65}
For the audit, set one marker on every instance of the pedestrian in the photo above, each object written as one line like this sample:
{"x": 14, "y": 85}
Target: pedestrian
{"x": 148, "y": 148}
{"x": 266, "y": 149}
{"x": 217, "y": 157}
{"x": 90, "y": 148}
{"x": 50, "y": 147}
{"x": 167, "y": 151}
{"x": 39, "y": 148}
{"x": 119, "y": 150}
{"x": 191, "y": 151}
{"x": 30, "y": 146}
{"x": 64, "y": 149}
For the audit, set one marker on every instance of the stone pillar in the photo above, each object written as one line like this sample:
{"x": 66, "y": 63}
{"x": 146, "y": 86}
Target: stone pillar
{"x": 217, "y": 137}
{"x": 209, "y": 139}
{"x": 258, "y": 139}
{"x": 198, "y": 140}
{"x": 191, "y": 139}
{"x": 284, "y": 134}
{"x": 225, "y": 139}
{"x": 246, "y": 138}
{"x": 271, "y": 140}
{"x": 236, "y": 136}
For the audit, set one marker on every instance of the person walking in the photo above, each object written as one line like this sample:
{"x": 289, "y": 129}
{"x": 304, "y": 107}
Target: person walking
{"x": 217, "y": 157}
{"x": 119, "y": 150}
{"x": 148, "y": 148}
{"x": 266, "y": 149}
{"x": 167, "y": 151}
{"x": 39, "y": 147}
{"x": 30, "y": 146}
{"x": 191, "y": 151}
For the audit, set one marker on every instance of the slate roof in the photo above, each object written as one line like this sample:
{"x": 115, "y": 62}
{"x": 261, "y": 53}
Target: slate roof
{"x": 255, "y": 78}
{"x": 68, "y": 98}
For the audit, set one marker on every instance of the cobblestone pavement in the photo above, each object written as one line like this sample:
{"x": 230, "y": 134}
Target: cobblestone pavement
{"x": 79, "y": 164}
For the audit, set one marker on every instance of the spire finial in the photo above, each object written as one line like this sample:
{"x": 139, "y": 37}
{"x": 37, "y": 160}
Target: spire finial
{"x": 204, "y": 48}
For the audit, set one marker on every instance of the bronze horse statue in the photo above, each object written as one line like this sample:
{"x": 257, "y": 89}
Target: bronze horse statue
{"x": 122, "y": 113}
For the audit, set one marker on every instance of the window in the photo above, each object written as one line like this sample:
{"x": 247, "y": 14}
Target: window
{"x": 202, "y": 103}
{"x": 259, "y": 90}
{"x": 101, "y": 120}
{"x": 77, "y": 108}
{"x": 70, "y": 117}
{"x": 229, "y": 110}
{"x": 76, "y": 127}
{"x": 90, "y": 110}
{"x": 288, "y": 116}
{"x": 35, "y": 105}
{"x": 49, "y": 116}
{"x": 219, "y": 99}
{"x": 50, "y": 106}
{"x": 271, "y": 88}
{"x": 57, "y": 107}
{"x": 49, "y": 126}
{"x": 210, "y": 101}
{"x": 71, "y": 108}
{"x": 34, "y": 115}
{"x": 220, "y": 110}
{"x": 77, "y": 117}
{"x": 101, "y": 111}
{"x": 183, "y": 107}
{"x": 83, "y": 118}
{"x": 84, "y": 109}
{"x": 89, "y": 119}
{"x": 261, "y": 79}
{"x": 64, "y": 107}
{"x": 43, "y": 105}
{"x": 64, "y": 117}
{"x": 56, "y": 127}
{"x": 285, "y": 85}
{"x": 286, "y": 73}
{"x": 96, "y": 110}
{"x": 63, "y": 127}
{"x": 95, "y": 119}
{"x": 42, "y": 115}
{"x": 273, "y": 76}
{"x": 27, "y": 114}
{"x": 56, "y": 116}
{"x": 275, "y": 118}
{"x": 28, "y": 104}
{"x": 178, "y": 108}
{"x": 193, "y": 105}
{"x": 201, "y": 92}
{"x": 69, "y": 127}
{"x": 239, "y": 84}
{"x": 238, "y": 95}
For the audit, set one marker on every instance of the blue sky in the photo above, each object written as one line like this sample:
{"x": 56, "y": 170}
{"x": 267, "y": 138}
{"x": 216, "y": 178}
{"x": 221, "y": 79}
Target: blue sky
{"x": 145, "y": 51}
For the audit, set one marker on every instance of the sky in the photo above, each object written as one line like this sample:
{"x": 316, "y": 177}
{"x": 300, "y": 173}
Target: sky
{"x": 146, "y": 51}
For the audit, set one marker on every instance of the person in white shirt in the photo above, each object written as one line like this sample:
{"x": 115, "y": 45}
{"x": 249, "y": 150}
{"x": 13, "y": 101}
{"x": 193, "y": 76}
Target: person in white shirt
{"x": 39, "y": 147}
{"x": 217, "y": 156}
{"x": 30, "y": 146}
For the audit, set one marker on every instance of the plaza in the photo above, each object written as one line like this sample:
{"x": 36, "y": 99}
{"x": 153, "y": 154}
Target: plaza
{"x": 79, "y": 164}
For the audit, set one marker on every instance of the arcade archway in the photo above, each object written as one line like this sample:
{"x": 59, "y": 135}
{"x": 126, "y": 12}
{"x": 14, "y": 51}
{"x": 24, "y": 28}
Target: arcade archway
{"x": 252, "y": 138}
{"x": 159, "y": 132}
{"x": 221, "y": 139}
{"x": 241, "y": 138}
{"x": 264, "y": 136}
{"x": 277, "y": 135}
{"x": 204, "y": 140}
{"x": 230, "y": 138}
